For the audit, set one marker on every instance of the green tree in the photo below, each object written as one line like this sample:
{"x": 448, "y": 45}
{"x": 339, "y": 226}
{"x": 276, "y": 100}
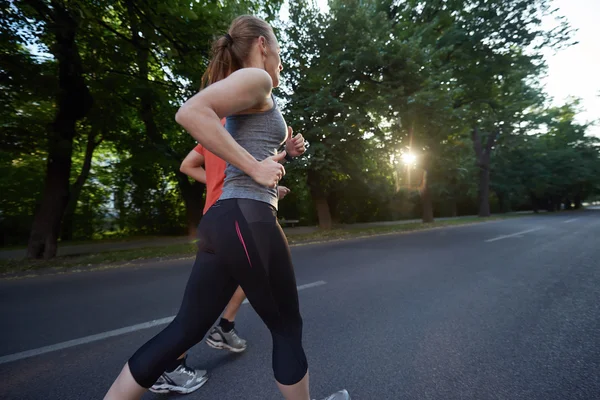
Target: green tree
{"x": 552, "y": 169}
{"x": 59, "y": 27}
{"x": 126, "y": 55}
{"x": 493, "y": 50}
{"x": 339, "y": 67}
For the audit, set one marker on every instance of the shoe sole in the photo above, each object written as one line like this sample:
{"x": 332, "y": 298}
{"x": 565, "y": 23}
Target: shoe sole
{"x": 223, "y": 346}
{"x": 175, "y": 389}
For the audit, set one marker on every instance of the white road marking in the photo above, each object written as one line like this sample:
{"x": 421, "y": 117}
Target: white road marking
{"x": 108, "y": 334}
{"x": 570, "y": 220}
{"x": 512, "y": 235}
{"x": 83, "y": 340}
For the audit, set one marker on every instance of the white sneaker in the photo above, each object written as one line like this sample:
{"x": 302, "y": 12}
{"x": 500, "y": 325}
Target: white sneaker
{"x": 182, "y": 379}
{"x": 341, "y": 395}
{"x": 219, "y": 339}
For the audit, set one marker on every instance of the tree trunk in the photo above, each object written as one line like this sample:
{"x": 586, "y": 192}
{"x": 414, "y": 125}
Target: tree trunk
{"x": 484, "y": 192}
{"x": 483, "y": 156}
{"x": 323, "y": 213}
{"x": 534, "y": 203}
{"x": 426, "y": 200}
{"x": 73, "y": 102}
{"x": 333, "y": 204}
{"x": 453, "y": 208}
{"x": 75, "y": 192}
{"x": 320, "y": 199}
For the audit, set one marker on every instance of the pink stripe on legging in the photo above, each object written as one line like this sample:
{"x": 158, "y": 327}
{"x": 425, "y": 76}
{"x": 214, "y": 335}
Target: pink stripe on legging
{"x": 237, "y": 228}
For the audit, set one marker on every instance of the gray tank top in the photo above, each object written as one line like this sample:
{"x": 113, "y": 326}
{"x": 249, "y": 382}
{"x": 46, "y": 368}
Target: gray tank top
{"x": 261, "y": 134}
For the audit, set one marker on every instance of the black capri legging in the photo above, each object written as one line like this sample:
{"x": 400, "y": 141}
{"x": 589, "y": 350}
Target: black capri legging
{"x": 240, "y": 243}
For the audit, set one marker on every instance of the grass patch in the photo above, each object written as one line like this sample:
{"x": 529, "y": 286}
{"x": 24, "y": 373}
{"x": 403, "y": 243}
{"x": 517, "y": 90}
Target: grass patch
{"x": 88, "y": 260}
{"x": 9, "y": 267}
{"x": 348, "y": 233}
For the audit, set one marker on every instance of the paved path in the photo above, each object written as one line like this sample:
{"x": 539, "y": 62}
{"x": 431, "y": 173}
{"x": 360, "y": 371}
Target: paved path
{"x": 499, "y": 310}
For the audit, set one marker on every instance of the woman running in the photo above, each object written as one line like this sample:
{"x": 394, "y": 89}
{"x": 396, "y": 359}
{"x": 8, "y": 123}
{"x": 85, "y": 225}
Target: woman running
{"x": 203, "y": 166}
{"x": 240, "y": 241}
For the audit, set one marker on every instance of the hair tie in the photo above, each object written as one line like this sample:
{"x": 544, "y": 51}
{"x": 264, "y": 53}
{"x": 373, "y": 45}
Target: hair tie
{"x": 229, "y": 38}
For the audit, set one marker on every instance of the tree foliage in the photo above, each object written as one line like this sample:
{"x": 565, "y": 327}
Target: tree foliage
{"x": 89, "y": 147}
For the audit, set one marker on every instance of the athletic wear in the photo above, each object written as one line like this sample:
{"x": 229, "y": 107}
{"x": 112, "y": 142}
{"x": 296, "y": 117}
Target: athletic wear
{"x": 261, "y": 135}
{"x": 182, "y": 379}
{"x": 219, "y": 339}
{"x": 240, "y": 242}
{"x": 226, "y": 325}
{"x": 171, "y": 366}
{"x": 215, "y": 175}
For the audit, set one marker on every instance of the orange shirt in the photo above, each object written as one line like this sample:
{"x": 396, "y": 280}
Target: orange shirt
{"x": 215, "y": 176}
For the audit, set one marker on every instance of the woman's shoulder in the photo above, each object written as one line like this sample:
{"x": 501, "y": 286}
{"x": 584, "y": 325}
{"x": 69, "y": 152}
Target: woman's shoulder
{"x": 252, "y": 77}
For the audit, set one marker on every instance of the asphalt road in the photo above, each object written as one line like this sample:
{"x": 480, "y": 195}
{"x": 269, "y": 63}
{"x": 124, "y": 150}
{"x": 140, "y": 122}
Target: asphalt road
{"x": 499, "y": 310}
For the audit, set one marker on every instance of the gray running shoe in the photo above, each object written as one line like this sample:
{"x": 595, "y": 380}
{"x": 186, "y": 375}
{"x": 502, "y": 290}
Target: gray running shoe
{"x": 341, "y": 395}
{"x": 181, "y": 380}
{"x": 218, "y": 339}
